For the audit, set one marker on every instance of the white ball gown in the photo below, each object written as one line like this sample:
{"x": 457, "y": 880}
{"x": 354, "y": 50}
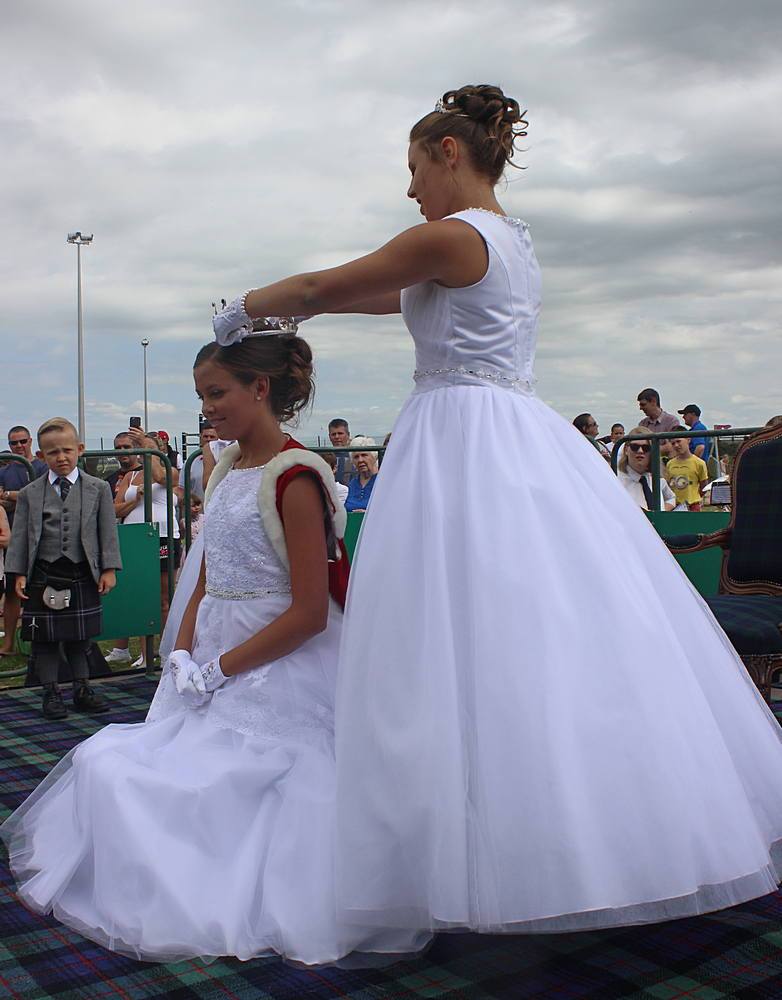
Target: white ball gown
{"x": 206, "y": 831}
{"x": 540, "y": 725}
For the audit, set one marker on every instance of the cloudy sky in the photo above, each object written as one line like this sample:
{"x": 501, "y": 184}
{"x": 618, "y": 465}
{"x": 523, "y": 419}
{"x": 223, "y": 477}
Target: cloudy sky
{"x": 211, "y": 147}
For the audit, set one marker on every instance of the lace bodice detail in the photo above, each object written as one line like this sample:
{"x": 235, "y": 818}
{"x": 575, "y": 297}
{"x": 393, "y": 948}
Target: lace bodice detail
{"x": 240, "y": 561}
{"x": 484, "y": 334}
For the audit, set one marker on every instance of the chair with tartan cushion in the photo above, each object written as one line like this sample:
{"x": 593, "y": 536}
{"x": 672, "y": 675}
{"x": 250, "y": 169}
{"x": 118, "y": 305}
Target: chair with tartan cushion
{"x": 749, "y": 603}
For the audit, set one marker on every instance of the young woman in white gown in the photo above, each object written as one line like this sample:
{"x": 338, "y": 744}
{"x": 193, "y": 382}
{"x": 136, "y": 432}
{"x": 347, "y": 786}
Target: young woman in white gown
{"x": 208, "y": 830}
{"x": 508, "y": 759}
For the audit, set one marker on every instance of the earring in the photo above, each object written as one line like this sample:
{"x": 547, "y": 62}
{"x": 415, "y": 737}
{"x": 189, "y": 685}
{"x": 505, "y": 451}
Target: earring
{"x": 258, "y": 398}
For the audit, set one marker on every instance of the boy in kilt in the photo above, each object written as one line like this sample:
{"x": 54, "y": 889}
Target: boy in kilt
{"x": 65, "y": 550}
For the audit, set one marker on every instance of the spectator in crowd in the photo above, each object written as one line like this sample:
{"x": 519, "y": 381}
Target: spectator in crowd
{"x": 5, "y": 541}
{"x": 14, "y": 477}
{"x": 198, "y": 474}
{"x": 196, "y": 516}
{"x": 164, "y": 442}
{"x": 617, "y": 433}
{"x": 127, "y": 462}
{"x": 339, "y": 435}
{"x": 130, "y": 502}
{"x": 687, "y": 474}
{"x": 331, "y": 460}
{"x": 54, "y": 547}
{"x": 636, "y": 477}
{"x": 361, "y": 485}
{"x": 655, "y": 418}
{"x": 699, "y": 446}
{"x": 587, "y": 424}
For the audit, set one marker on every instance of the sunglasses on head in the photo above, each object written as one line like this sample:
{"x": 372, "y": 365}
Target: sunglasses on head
{"x": 642, "y": 448}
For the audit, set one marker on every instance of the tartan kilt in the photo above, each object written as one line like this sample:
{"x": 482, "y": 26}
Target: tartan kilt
{"x": 82, "y": 620}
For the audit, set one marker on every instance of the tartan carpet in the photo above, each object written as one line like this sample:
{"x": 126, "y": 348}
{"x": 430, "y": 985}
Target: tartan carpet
{"x": 734, "y": 953}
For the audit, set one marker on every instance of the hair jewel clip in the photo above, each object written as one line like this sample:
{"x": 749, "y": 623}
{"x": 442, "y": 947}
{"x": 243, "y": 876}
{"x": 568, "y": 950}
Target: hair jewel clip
{"x": 441, "y": 109}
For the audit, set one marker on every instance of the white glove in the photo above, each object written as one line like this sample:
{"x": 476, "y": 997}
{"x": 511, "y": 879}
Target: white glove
{"x": 212, "y": 676}
{"x": 232, "y": 324}
{"x": 187, "y": 676}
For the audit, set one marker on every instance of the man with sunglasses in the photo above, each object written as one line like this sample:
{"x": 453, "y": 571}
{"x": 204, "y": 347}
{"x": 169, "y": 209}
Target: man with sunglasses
{"x": 14, "y": 477}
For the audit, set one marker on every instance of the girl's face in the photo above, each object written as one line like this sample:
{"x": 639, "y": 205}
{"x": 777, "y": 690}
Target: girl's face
{"x": 431, "y": 182}
{"x": 230, "y": 406}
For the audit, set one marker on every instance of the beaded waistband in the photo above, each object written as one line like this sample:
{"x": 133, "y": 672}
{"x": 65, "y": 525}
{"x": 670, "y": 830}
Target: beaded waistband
{"x": 226, "y": 594}
{"x": 450, "y": 376}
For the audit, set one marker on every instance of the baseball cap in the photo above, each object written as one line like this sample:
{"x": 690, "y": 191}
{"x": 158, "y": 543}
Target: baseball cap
{"x": 163, "y": 435}
{"x": 690, "y": 408}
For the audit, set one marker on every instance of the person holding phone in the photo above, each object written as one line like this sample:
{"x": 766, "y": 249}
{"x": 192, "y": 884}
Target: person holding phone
{"x": 130, "y": 506}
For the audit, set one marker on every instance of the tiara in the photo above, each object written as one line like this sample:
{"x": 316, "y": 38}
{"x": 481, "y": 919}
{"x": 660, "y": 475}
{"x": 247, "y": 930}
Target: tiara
{"x": 274, "y": 324}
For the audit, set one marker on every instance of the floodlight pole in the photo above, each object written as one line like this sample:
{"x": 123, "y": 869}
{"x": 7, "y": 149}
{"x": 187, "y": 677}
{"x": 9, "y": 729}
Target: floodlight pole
{"x": 145, "y": 345}
{"x": 79, "y": 241}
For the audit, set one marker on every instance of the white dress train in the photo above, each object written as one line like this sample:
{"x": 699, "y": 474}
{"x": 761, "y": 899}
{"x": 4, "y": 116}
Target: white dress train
{"x": 540, "y": 725}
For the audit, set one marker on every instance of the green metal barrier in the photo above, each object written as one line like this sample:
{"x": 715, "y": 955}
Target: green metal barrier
{"x": 133, "y": 607}
{"x": 702, "y": 568}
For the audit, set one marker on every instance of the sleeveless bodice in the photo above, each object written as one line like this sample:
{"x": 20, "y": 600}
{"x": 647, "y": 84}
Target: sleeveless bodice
{"x": 484, "y": 333}
{"x": 240, "y": 561}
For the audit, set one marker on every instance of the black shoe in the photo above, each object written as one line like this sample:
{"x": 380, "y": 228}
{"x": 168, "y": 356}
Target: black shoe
{"x": 53, "y": 705}
{"x": 87, "y": 700}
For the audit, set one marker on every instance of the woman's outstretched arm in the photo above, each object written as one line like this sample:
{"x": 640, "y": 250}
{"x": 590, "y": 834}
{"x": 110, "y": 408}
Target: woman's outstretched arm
{"x": 450, "y": 251}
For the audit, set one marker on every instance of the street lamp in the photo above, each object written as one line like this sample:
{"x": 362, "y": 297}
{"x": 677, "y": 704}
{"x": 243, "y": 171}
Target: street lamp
{"x": 145, "y": 345}
{"x": 80, "y": 241}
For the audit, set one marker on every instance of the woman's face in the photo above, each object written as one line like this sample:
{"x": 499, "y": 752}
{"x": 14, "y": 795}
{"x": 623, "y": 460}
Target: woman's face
{"x": 430, "y": 182}
{"x": 230, "y": 406}
{"x": 365, "y": 463}
{"x": 638, "y": 455}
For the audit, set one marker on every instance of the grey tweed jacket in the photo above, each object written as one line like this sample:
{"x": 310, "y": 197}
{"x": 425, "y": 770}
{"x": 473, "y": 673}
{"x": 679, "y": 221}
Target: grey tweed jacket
{"x": 98, "y": 527}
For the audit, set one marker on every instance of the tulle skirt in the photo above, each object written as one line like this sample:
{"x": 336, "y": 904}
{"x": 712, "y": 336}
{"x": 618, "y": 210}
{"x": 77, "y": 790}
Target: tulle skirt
{"x": 540, "y": 725}
{"x": 203, "y": 832}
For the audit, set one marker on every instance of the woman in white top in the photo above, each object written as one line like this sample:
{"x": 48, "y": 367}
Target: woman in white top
{"x": 504, "y": 761}
{"x": 131, "y": 491}
{"x": 636, "y": 478}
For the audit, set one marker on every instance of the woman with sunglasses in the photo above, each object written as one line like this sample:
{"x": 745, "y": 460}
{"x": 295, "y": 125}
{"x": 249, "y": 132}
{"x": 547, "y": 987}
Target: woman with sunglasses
{"x": 636, "y": 477}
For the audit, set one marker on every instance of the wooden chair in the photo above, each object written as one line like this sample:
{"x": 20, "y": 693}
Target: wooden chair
{"x": 749, "y": 603}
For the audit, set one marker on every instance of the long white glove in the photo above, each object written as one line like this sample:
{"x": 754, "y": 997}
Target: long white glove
{"x": 212, "y": 676}
{"x": 187, "y": 676}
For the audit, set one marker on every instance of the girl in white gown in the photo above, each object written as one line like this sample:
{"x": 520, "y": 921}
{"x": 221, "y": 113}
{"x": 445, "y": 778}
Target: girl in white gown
{"x": 208, "y": 830}
{"x": 507, "y": 760}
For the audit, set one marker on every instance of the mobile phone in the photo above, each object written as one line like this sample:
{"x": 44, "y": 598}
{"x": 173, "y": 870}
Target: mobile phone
{"x": 135, "y": 422}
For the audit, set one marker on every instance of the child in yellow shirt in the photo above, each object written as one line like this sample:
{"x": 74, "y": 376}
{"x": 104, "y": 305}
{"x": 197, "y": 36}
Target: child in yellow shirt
{"x": 687, "y": 474}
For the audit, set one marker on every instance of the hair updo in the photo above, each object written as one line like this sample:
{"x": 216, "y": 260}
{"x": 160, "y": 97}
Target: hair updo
{"x": 484, "y": 119}
{"x": 286, "y": 360}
